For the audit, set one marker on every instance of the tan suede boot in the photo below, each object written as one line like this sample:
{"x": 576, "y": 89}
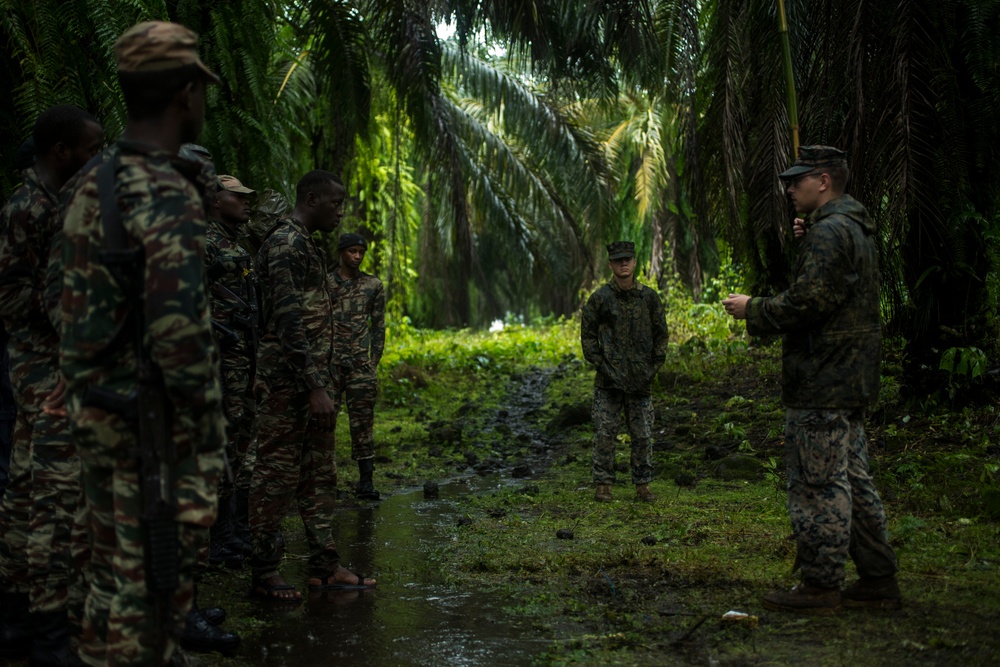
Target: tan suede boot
{"x": 603, "y": 494}
{"x": 643, "y": 493}
{"x": 805, "y": 599}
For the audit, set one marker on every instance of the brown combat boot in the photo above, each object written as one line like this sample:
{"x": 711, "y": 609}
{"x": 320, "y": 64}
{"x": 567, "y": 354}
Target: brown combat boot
{"x": 805, "y": 599}
{"x": 603, "y": 494}
{"x": 643, "y": 493}
{"x": 873, "y": 593}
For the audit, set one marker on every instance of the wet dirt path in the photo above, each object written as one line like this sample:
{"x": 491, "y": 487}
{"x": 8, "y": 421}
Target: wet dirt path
{"x": 414, "y": 617}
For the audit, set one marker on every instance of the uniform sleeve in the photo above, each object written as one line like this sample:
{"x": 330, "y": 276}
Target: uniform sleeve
{"x": 286, "y": 263}
{"x": 820, "y": 287}
{"x": 378, "y": 324}
{"x": 19, "y": 299}
{"x": 589, "y": 340}
{"x": 179, "y": 331}
{"x": 658, "y": 323}
{"x": 54, "y": 282}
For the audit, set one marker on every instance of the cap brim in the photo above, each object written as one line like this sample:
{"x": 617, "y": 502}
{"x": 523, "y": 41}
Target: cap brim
{"x": 242, "y": 190}
{"x": 210, "y": 76}
{"x": 621, "y": 255}
{"x": 795, "y": 170}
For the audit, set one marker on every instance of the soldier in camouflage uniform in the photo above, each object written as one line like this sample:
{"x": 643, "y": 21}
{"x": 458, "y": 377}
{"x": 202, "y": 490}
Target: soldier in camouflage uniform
{"x": 358, "y": 342}
{"x": 296, "y": 459}
{"x": 160, "y": 211}
{"x": 35, "y": 552}
{"x": 623, "y": 333}
{"x": 830, "y": 374}
{"x": 233, "y": 296}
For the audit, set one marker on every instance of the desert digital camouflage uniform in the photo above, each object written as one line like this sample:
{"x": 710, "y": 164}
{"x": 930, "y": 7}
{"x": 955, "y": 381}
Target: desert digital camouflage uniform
{"x": 624, "y": 335}
{"x": 233, "y": 298}
{"x": 161, "y": 211}
{"x": 294, "y": 461}
{"x": 358, "y": 342}
{"x": 52, "y": 480}
{"x": 830, "y": 372}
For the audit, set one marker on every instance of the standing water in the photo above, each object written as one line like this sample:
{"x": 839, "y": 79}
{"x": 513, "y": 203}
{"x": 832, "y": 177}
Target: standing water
{"x": 413, "y": 618}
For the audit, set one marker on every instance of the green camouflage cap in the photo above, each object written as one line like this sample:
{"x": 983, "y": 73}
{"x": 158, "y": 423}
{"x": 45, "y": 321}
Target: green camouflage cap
{"x": 621, "y": 249}
{"x": 812, "y": 158}
{"x": 158, "y": 46}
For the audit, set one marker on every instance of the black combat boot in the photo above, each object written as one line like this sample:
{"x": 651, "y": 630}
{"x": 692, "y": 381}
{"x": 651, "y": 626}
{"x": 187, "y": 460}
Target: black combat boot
{"x": 201, "y": 636}
{"x": 240, "y": 506}
{"x": 51, "y": 639}
{"x": 366, "y": 489}
{"x": 224, "y": 549}
{"x": 15, "y": 627}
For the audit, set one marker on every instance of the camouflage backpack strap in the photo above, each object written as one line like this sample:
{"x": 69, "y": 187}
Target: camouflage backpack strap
{"x": 115, "y": 251}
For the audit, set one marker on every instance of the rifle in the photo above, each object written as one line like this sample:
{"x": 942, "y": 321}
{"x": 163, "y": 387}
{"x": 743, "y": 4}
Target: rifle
{"x": 248, "y": 321}
{"x": 147, "y": 408}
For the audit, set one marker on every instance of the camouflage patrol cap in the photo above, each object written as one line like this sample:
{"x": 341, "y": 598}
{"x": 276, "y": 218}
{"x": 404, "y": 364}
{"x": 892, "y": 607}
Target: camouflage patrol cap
{"x": 233, "y": 184}
{"x": 350, "y": 239}
{"x": 194, "y": 152}
{"x": 158, "y": 46}
{"x": 812, "y": 158}
{"x": 621, "y": 249}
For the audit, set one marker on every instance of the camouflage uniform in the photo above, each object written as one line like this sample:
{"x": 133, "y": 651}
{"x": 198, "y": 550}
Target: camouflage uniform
{"x": 162, "y": 212}
{"x": 358, "y": 342}
{"x": 233, "y": 298}
{"x": 624, "y": 335}
{"x": 830, "y": 373}
{"x": 27, "y": 225}
{"x": 294, "y": 461}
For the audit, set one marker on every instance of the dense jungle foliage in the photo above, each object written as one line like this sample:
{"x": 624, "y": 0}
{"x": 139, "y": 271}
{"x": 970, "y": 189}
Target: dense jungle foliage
{"x": 491, "y": 147}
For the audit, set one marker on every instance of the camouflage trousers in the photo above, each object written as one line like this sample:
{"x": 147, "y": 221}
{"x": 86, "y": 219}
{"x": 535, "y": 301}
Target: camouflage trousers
{"x": 357, "y": 388}
{"x": 609, "y": 404}
{"x": 240, "y": 409}
{"x": 15, "y": 516}
{"x": 53, "y": 485}
{"x": 295, "y": 463}
{"x": 123, "y": 622}
{"x": 834, "y": 507}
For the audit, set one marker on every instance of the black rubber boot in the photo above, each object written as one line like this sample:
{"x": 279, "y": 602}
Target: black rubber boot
{"x": 224, "y": 548}
{"x": 240, "y": 507}
{"x": 51, "y": 639}
{"x": 201, "y": 636}
{"x": 214, "y": 615}
{"x": 15, "y": 627}
{"x": 366, "y": 488}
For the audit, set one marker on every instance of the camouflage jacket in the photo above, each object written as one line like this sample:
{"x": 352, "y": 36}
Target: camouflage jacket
{"x": 297, "y": 314}
{"x": 27, "y": 224}
{"x": 830, "y": 315}
{"x": 624, "y": 335}
{"x": 162, "y": 213}
{"x": 232, "y": 293}
{"x": 358, "y": 320}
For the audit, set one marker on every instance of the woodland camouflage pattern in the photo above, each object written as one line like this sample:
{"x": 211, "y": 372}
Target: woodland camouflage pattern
{"x": 624, "y": 335}
{"x": 161, "y": 209}
{"x": 233, "y": 298}
{"x": 294, "y": 461}
{"x": 358, "y": 343}
{"x": 27, "y": 225}
{"x": 832, "y": 501}
{"x": 830, "y": 315}
{"x": 296, "y": 347}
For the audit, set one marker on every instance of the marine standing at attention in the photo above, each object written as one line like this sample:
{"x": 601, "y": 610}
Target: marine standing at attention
{"x": 623, "y": 332}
